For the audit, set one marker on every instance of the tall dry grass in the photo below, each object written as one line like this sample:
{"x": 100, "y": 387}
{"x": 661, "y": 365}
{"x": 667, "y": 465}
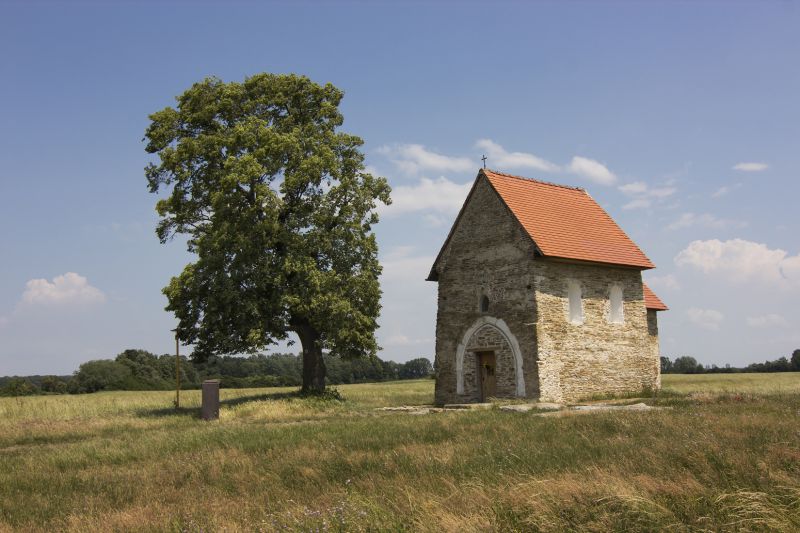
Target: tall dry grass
{"x": 767, "y": 383}
{"x": 714, "y": 461}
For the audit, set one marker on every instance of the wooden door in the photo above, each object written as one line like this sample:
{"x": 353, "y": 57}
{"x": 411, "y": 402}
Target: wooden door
{"x": 486, "y": 362}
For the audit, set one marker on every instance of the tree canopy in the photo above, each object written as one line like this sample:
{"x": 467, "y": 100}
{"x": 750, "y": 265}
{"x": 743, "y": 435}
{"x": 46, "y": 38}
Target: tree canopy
{"x": 278, "y": 209}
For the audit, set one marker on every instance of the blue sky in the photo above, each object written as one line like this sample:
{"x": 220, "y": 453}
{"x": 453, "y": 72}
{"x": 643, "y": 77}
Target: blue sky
{"x": 682, "y": 119}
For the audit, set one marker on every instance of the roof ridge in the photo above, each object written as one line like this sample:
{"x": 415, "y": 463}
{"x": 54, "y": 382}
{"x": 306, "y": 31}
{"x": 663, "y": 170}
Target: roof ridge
{"x": 523, "y": 178}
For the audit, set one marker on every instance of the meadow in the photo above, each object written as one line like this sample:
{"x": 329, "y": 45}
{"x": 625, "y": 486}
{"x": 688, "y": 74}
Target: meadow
{"x": 723, "y": 455}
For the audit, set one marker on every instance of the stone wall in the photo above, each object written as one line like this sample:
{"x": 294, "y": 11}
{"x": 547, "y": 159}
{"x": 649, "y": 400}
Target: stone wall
{"x": 488, "y": 254}
{"x": 652, "y": 331}
{"x": 597, "y": 356}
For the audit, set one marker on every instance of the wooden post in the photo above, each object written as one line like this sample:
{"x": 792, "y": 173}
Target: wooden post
{"x": 177, "y": 373}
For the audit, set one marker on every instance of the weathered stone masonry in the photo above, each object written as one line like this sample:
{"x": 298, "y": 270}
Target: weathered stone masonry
{"x": 597, "y": 357}
{"x": 652, "y": 332}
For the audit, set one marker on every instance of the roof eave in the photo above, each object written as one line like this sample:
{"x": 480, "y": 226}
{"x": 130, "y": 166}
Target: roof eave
{"x": 598, "y": 263}
{"x": 655, "y": 303}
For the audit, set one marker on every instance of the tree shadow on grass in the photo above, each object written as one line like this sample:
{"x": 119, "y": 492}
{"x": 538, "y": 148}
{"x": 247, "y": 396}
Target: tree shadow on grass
{"x": 292, "y": 395}
{"x": 25, "y": 443}
{"x": 194, "y": 412}
{"x": 162, "y": 412}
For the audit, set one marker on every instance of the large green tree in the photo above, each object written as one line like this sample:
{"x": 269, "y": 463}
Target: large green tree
{"x": 278, "y": 210}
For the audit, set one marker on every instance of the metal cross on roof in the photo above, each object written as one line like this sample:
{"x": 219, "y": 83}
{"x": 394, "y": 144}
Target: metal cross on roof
{"x": 484, "y": 160}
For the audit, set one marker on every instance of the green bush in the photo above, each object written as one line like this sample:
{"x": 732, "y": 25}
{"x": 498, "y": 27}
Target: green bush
{"x": 100, "y": 375}
{"x": 54, "y": 385}
{"x": 19, "y": 387}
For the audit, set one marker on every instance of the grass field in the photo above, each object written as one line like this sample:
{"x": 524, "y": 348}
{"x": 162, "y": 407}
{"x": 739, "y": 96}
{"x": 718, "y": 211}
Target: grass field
{"x": 725, "y": 456}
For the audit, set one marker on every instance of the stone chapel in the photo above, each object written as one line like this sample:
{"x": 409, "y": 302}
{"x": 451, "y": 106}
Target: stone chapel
{"x": 541, "y": 296}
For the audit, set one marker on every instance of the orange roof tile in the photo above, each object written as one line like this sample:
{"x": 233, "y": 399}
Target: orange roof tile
{"x": 566, "y": 222}
{"x": 651, "y": 301}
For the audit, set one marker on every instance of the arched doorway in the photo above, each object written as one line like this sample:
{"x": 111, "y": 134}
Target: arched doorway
{"x": 489, "y": 362}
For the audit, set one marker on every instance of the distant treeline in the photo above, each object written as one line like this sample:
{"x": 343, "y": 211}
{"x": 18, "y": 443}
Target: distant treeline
{"x": 689, "y": 365}
{"x": 142, "y": 370}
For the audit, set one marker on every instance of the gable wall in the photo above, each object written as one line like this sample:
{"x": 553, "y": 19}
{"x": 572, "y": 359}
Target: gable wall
{"x": 488, "y": 253}
{"x": 596, "y": 357}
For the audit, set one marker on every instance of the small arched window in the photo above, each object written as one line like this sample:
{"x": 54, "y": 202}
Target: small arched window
{"x": 575, "y": 304}
{"x": 615, "y": 311}
{"x": 484, "y": 304}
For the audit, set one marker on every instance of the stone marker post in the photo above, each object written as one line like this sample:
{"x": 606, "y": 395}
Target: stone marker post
{"x": 210, "y": 408}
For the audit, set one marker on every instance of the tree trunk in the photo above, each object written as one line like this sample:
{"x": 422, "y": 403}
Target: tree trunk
{"x": 313, "y": 363}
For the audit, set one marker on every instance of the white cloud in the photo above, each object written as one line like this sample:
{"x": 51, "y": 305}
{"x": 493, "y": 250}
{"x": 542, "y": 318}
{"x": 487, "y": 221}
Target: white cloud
{"x": 766, "y": 321}
{"x": 400, "y": 265}
{"x": 740, "y": 261}
{"x": 398, "y": 252}
{"x": 434, "y": 221}
{"x": 638, "y": 203}
{"x": 633, "y": 189}
{"x": 643, "y": 195}
{"x": 415, "y": 158}
{"x": 441, "y": 195}
{"x": 725, "y": 189}
{"x": 722, "y": 191}
{"x": 642, "y": 190}
{"x": 67, "y": 289}
{"x": 666, "y": 282}
{"x": 404, "y": 340}
{"x": 370, "y": 169}
{"x": 707, "y": 220}
{"x": 750, "y": 167}
{"x": 499, "y": 158}
{"x": 709, "y": 319}
{"x": 662, "y": 192}
{"x": 593, "y": 170}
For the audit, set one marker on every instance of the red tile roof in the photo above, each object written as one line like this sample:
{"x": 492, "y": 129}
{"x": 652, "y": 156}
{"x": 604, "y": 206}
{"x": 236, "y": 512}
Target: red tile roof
{"x": 566, "y": 222}
{"x": 651, "y": 301}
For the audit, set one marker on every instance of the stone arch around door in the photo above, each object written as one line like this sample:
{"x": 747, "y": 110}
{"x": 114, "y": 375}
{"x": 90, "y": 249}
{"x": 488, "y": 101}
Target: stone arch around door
{"x": 490, "y": 333}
